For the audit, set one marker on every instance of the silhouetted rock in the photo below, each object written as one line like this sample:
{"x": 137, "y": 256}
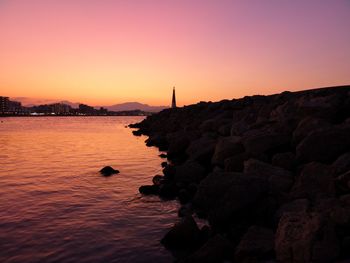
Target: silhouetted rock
{"x": 305, "y": 237}
{"x": 324, "y": 145}
{"x": 184, "y": 234}
{"x": 256, "y": 166}
{"x": 108, "y": 171}
{"x": 279, "y": 180}
{"x": 315, "y": 181}
{"x": 222, "y": 195}
{"x": 216, "y": 249}
{"x": 257, "y": 243}
{"x": 149, "y": 189}
{"x": 226, "y": 147}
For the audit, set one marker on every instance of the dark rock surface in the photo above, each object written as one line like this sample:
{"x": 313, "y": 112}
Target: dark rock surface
{"x": 270, "y": 174}
{"x": 108, "y": 171}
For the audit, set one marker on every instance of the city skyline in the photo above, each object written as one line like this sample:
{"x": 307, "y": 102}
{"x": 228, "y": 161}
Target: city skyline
{"x": 110, "y": 52}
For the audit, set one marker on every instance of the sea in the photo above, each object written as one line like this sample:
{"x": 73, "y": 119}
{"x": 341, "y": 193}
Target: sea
{"x": 56, "y": 207}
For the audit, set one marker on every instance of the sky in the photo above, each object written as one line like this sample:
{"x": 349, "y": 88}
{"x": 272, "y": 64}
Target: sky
{"x": 103, "y": 52}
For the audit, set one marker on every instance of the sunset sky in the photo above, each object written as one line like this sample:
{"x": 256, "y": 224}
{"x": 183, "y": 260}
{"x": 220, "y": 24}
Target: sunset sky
{"x": 103, "y": 52}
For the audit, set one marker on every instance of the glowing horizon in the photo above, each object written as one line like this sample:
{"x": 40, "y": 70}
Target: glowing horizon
{"x": 108, "y": 52}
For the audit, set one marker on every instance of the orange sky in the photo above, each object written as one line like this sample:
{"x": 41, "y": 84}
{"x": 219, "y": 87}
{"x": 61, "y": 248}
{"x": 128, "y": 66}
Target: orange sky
{"x": 107, "y": 52}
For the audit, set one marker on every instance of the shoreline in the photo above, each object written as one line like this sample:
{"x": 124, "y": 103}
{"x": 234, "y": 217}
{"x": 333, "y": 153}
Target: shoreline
{"x": 271, "y": 174}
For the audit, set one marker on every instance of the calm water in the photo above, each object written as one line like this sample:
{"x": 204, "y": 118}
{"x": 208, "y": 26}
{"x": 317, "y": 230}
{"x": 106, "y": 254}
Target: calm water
{"x": 54, "y": 205}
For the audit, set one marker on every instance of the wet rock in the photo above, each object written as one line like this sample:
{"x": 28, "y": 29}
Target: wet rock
{"x": 226, "y": 147}
{"x": 168, "y": 191}
{"x": 284, "y": 160}
{"x": 325, "y": 145}
{"x": 305, "y": 237}
{"x": 184, "y": 196}
{"x": 149, "y": 189}
{"x": 279, "y": 180}
{"x": 184, "y": 234}
{"x": 257, "y": 243}
{"x": 158, "y": 179}
{"x": 108, "y": 171}
{"x": 163, "y": 155}
{"x": 315, "y": 181}
{"x": 216, "y": 249}
{"x": 164, "y": 164}
{"x": 169, "y": 171}
{"x": 189, "y": 172}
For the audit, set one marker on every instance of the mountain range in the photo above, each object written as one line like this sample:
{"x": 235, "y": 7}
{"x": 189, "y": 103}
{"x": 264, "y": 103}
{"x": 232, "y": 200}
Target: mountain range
{"x": 127, "y": 106}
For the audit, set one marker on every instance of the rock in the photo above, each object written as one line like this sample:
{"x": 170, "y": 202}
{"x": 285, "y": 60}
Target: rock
{"x": 158, "y": 179}
{"x": 308, "y": 125}
{"x": 169, "y": 171}
{"x": 178, "y": 143}
{"x": 298, "y": 205}
{"x": 184, "y": 234}
{"x": 235, "y": 163}
{"x": 164, "y": 164}
{"x": 202, "y": 149}
{"x": 226, "y": 147}
{"x": 149, "y": 189}
{"x": 315, "y": 181}
{"x": 279, "y": 180}
{"x": 223, "y": 195}
{"x": 108, "y": 171}
{"x": 305, "y": 237}
{"x": 216, "y": 249}
{"x": 284, "y": 160}
{"x": 158, "y": 140}
{"x": 168, "y": 191}
{"x": 342, "y": 182}
{"x": 185, "y": 210}
{"x": 184, "y": 196}
{"x": 163, "y": 155}
{"x": 267, "y": 143}
{"x": 257, "y": 243}
{"x": 324, "y": 145}
{"x": 342, "y": 164}
{"x": 189, "y": 172}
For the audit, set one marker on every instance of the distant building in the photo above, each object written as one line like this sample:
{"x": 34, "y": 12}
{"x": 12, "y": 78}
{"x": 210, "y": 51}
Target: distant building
{"x": 173, "y": 102}
{"x": 86, "y": 109}
{"x": 4, "y": 104}
{"x": 60, "y": 108}
{"x": 15, "y": 107}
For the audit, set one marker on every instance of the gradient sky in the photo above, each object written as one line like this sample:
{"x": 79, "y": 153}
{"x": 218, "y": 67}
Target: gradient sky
{"x": 104, "y": 52}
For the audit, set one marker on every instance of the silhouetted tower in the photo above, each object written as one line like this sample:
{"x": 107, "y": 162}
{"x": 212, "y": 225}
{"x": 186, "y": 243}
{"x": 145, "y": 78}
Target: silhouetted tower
{"x": 173, "y": 102}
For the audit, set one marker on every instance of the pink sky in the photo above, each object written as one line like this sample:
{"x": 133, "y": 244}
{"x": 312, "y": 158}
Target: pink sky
{"x": 105, "y": 52}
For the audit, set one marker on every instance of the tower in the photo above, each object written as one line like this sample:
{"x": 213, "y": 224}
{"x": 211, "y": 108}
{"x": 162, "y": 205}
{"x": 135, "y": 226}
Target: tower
{"x": 173, "y": 102}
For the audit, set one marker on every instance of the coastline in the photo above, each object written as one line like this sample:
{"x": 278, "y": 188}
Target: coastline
{"x": 271, "y": 174}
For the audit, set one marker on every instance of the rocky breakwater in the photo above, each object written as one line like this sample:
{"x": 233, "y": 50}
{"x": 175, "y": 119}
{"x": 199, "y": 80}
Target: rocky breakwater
{"x": 270, "y": 173}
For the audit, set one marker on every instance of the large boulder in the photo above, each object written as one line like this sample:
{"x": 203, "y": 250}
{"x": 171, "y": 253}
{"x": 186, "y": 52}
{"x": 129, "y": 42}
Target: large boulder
{"x": 257, "y": 243}
{"x": 314, "y": 181}
{"x": 268, "y": 143}
{"x": 189, "y": 172}
{"x": 305, "y": 237}
{"x": 279, "y": 180}
{"x": 235, "y": 163}
{"x": 342, "y": 164}
{"x": 324, "y": 145}
{"x": 184, "y": 234}
{"x": 216, "y": 249}
{"x": 226, "y": 147}
{"x": 284, "y": 160}
{"x": 308, "y": 125}
{"x": 202, "y": 149}
{"x": 298, "y": 205}
{"x": 226, "y": 196}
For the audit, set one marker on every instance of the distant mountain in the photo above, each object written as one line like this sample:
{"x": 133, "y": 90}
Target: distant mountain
{"x": 135, "y": 106}
{"x": 30, "y": 102}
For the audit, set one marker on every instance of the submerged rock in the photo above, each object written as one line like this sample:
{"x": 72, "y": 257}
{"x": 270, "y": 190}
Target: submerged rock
{"x": 108, "y": 171}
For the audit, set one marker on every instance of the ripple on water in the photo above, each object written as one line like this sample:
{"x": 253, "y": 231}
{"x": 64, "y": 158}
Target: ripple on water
{"x": 56, "y": 207}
